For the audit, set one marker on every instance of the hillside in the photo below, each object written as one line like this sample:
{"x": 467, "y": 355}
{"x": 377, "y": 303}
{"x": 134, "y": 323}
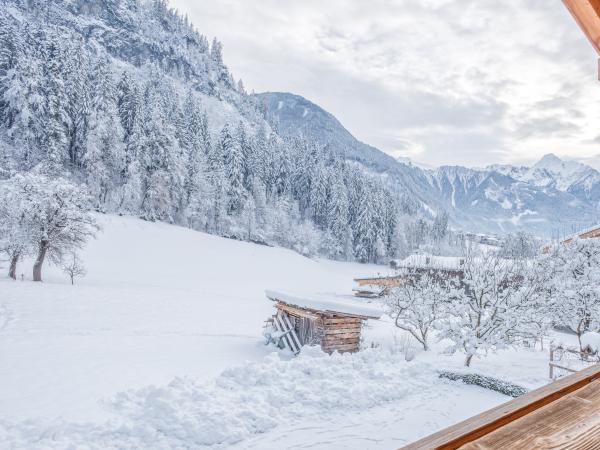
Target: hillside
{"x": 130, "y": 100}
{"x": 293, "y": 115}
{"x": 155, "y": 296}
{"x": 160, "y": 346}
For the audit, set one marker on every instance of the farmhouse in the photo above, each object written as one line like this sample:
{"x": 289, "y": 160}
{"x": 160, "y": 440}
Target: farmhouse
{"x": 333, "y": 322}
{"x": 592, "y": 232}
{"x": 588, "y": 233}
{"x": 406, "y": 269}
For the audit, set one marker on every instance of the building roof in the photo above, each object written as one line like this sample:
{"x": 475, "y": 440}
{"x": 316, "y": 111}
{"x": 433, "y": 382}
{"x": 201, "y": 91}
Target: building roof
{"x": 343, "y": 304}
{"x": 581, "y": 233}
{"x": 430, "y": 262}
{"x": 587, "y": 15}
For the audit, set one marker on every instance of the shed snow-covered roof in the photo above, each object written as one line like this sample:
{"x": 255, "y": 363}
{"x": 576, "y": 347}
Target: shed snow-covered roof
{"x": 344, "y": 304}
{"x": 431, "y": 262}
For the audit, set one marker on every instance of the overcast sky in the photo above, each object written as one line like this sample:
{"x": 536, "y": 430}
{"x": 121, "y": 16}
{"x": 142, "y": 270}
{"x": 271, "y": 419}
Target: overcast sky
{"x": 469, "y": 82}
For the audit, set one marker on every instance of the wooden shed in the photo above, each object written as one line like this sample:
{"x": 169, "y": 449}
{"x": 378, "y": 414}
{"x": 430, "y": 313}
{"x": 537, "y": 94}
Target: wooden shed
{"x": 333, "y": 322}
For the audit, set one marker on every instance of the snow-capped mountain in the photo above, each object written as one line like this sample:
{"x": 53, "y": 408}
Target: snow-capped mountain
{"x": 566, "y": 176}
{"x": 552, "y": 196}
{"x": 490, "y": 199}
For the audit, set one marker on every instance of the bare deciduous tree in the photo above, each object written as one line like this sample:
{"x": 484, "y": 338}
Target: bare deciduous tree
{"x": 74, "y": 267}
{"x": 493, "y": 304}
{"x": 419, "y": 303}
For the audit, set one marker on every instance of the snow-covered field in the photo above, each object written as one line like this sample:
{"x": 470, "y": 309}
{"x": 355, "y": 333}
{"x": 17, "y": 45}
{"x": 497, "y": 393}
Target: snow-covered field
{"x": 160, "y": 346}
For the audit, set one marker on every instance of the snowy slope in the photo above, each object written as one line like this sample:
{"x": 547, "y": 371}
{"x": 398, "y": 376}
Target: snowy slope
{"x": 160, "y": 346}
{"x": 158, "y": 301}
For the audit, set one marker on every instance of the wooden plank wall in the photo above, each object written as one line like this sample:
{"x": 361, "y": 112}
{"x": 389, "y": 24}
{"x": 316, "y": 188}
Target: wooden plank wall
{"x": 383, "y": 281}
{"x": 342, "y": 333}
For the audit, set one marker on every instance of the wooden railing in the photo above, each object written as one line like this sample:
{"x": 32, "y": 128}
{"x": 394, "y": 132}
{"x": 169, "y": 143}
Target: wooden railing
{"x": 478, "y": 426}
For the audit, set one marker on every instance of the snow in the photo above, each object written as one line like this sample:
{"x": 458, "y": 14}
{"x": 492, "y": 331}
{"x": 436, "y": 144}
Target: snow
{"x": 255, "y": 398}
{"x": 431, "y": 261}
{"x": 160, "y": 346}
{"x": 591, "y": 340}
{"x": 564, "y": 173}
{"x": 346, "y": 304}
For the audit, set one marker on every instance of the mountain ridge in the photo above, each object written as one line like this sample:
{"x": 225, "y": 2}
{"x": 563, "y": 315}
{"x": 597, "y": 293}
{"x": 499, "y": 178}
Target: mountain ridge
{"x": 550, "y": 196}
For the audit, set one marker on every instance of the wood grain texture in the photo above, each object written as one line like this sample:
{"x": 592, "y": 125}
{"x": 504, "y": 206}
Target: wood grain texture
{"x": 330, "y": 331}
{"x": 297, "y": 311}
{"x": 341, "y": 348}
{"x": 587, "y": 15}
{"x": 380, "y": 281}
{"x": 572, "y": 422}
{"x": 338, "y": 320}
{"x": 471, "y": 430}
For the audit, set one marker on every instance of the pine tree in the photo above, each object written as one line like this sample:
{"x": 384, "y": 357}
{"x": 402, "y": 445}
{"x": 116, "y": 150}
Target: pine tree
{"x": 55, "y": 114}
{"x": 234, "y": 168}
{"x": 365, "y": 236}
{"x": 337, "y": 219}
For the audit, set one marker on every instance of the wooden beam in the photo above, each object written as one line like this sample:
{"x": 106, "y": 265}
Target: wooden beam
{"x": 471, "y": 429}
{"x": 587, "y": 15}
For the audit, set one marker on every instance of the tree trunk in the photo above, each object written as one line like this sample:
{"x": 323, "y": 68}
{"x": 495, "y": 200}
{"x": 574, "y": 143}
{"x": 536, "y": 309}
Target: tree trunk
{"x": 37, "y": 266}
{"x": 12, "y": 271}
{"x": 468, "y": 360}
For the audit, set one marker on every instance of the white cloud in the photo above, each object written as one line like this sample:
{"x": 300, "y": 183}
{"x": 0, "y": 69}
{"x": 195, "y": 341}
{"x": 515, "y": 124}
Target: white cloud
{"x": 456, "y": 81}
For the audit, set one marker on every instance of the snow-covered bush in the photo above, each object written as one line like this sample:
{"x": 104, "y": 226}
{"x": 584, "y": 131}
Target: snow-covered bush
{"x": 590, "y": 341}
{"x": 501, "y": 386}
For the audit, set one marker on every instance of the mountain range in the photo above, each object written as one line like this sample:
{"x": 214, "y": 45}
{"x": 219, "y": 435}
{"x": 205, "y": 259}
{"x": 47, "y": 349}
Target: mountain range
{"x": 130, "y": 99}
{"x": 552, "y": 197}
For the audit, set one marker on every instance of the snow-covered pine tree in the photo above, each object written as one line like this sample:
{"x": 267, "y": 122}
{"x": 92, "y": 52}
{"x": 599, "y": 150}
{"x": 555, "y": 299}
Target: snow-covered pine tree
{"x": 340, "y": 236}
{"x": 55, "y": 107}
{"x": 234, "y": 170}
